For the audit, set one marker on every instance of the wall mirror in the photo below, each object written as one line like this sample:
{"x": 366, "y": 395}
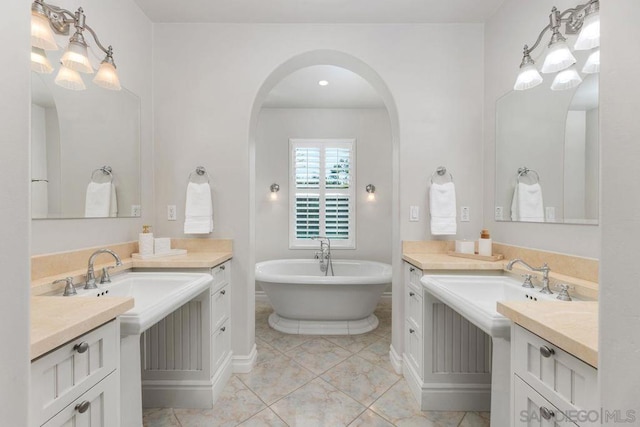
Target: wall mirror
{"x": 550, "y": 138}
{"x": 85, "y": 151}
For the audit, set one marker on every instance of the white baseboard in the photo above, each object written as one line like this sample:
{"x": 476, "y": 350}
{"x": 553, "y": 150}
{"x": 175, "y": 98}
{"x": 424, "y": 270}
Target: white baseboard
{"x": 243, "y": 364}
{"x": 261, "y": 296}
{"x": 396, "y": 360}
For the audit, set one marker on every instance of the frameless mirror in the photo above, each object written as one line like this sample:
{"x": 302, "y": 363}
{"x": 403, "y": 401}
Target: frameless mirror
{"x": 85, "y": 150}
{"x": 548, "y": 142}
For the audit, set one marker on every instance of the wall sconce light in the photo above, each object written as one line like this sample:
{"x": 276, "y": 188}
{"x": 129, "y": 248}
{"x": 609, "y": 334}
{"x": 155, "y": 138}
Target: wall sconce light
{"x": 47, "y": 20}
{"x": 583, "y": 20}
{"x": 371, "y": 189}
{"x": 274, "y": 191}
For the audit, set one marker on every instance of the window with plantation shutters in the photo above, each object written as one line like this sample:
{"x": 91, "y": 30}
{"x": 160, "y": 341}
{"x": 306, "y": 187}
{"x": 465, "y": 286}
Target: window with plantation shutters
{"x": 322, "y": 186}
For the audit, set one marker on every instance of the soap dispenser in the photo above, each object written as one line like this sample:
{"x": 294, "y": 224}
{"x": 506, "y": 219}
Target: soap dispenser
{"x": 145, "y": 241}
{"x": 484, "y": 243}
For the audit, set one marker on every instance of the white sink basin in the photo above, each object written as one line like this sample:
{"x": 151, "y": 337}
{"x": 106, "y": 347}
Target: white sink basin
{"x": 476, "y": 298}
{"x": 155, "y": 295}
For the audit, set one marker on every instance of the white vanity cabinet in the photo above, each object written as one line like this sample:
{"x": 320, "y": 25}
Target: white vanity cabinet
{"x": 550, "y": 386}
{"x": 186, "y": 357}
{"x": 78, "y": 384}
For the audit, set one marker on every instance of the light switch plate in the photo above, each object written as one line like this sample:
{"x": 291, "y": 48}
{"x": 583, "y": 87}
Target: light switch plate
{"x": 464, "y": 214}
{"x": 171, "y": 212}
{"x": 414, "y": 213}
{"x": 135, "y": 210}
{"x": 499, "y": 214}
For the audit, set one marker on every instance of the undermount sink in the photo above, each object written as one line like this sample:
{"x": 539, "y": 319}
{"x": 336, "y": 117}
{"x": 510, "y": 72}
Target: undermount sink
{"x": 155, "y": 296}
{"x": 476, "y": 297}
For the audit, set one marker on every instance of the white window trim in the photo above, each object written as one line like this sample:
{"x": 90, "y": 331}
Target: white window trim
{"x": 309, "y": 142}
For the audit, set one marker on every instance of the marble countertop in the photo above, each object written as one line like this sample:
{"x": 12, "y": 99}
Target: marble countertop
{"x": 58, "y": 320}
{"x": 572, "y": 326}
{"x": 426, "y": 261}
{"x": 188, "y": 260}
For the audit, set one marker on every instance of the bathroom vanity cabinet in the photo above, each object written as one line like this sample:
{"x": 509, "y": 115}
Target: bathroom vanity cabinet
{"x": 79, "y": 383}
{"x": 551, "y": 386}
{"x": 186, "y": 357}
{"x": 447, "y": 359}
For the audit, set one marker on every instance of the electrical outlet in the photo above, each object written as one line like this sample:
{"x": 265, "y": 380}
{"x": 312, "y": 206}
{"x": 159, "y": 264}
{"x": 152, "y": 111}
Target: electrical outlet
{"x": 171, "y": 212}
{"x": 464, "y": 214}
{"x": 499, "y": 214}
{"x": 135, "y": 210}
{"x": 414, "y": 213}
{"x": 550, "y": 213}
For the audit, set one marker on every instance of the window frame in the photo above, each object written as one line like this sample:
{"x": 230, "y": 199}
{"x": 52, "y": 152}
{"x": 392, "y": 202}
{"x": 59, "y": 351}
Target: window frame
{"x": 323, "y": 144}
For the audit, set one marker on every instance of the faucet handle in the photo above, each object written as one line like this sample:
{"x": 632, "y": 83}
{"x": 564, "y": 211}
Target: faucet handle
{"x": 69, "y": 289}
{"x": 106, "y": 278}
{"x": 563, "y": 295}
{"x": 527, "y": 281}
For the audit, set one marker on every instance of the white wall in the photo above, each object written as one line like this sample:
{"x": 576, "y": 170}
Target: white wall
{"x": 515, "y": 23}
{"x": 203, "y": 102}
{"x": 592, "y": 164}
{"x": 122, "y": 24}
{"x": 39, "y": 194}
{"x": 619, "y": 345}
{"x": 575, "y": 144}
{"x": 14, "y": 213}
{"x": 371, "y": 129}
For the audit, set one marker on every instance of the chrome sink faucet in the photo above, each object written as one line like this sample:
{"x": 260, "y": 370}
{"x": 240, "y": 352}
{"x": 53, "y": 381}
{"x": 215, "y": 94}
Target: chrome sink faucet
{"x": 544, "y": 270}
{"x": 91, "y": 275}
{"x": 324, "y": 255}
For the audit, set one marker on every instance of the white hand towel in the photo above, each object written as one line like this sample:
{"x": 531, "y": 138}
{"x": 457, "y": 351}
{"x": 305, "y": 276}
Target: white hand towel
{"x": 113, "y": 202}
{"x": 198, "y": 209}
{"x": 442, "y": 205}
{"x": 98, "y": 200}
{"x": 527, "y": 204}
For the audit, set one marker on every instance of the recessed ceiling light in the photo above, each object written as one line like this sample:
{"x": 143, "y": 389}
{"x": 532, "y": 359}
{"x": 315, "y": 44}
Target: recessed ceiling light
{"x": 323, "y": 82}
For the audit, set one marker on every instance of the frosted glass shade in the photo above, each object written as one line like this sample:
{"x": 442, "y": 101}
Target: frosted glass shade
{"x": 39, "y": 61}
{"x": 107, "y": 77}
{"x": 69, "y": 79}
{"x": 593, "y": 63}
{"x": 41, "y": 32}
{"x": 589, "y": 36}
{"x": 566, "y": 79}
{"x": 528, "y": 77}
{"x": 76, "y": 58}
{"x": 558, "y": 58}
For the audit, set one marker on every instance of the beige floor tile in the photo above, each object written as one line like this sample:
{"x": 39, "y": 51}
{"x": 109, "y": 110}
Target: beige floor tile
{"x": 400, "y": 407}
{"x": 476, "y": 419}
{"x": 370, "y": 419}
{"x": 264, "y": 418}
{"x": 275, "y": 378}
{"x": 378, "y": 354}
{"x": 318, "y": 355}
{"x": 317, "y": 404}
{"x": 353, "y": 343}
{"x": 266, "y": 333}
{"x": 360, "y": 379}
{"x": 236, "y": 404}
{"x": 159, "y": 417}
{"x": 286, "y": 342}
{"x": 265, "y": 351}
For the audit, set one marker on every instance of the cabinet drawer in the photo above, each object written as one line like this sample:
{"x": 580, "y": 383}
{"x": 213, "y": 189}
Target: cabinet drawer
{"x": 221, "y": 345}
{"x": 220, "y": 276}
{"x": 567, "y": 382}
{"x": 531, "y": 409}
{"x": 413, "y": 307}
{"x": 220, "y": 307}
{"x": 413, "y": 349}
{"x": 413, "y": 275}
{"x": 59, "y": 377}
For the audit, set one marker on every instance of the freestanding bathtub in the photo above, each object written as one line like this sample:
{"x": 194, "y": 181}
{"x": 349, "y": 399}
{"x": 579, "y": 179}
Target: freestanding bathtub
{"x": 308, "y": 302}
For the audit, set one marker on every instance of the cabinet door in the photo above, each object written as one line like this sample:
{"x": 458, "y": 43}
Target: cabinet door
{"x": 531, "y": 409}
{"x": 221, "y": 343}
{"x": 220, "y": 275}
{"x": 413, "y": 343}
{"x": 98, "y": 407}
{"x": 220, "y": 307}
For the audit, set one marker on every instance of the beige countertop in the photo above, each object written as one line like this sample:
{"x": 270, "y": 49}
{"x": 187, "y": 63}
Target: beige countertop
{"x": 188, "y": 260}
{"x": 572, "y": 326}
{"x": 57, "y": 320}
{"x": 426, "y": 261}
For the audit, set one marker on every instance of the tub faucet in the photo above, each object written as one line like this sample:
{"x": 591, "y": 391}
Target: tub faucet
{"x": 324, "y": 255}
{"x": 91, "y": 275}
{"x": 544, "y": 270}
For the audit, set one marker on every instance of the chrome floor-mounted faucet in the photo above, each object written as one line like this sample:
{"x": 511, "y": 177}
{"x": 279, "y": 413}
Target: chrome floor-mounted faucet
{"x": 324, "y": 255}
{"x": 544, "y": 270}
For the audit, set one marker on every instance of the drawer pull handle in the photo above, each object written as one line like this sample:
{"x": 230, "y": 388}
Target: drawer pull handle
{"x": 411, "y": 269}
{"x": 547, "y": 414}
{"x": 224, "y": 328}
{"x": 546, "y": 351}
{"x": 82, "y": 407}
{"x": 222, "y": 292}
{"x": 411, "y": 331}
{"x": 222, "y": 267}
{"x": 81, "y": 348}
{"x": 412, "y": 294}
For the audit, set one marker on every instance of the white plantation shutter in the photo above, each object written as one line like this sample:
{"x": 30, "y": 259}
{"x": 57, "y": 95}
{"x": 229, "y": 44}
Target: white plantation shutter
{"x": 322, "y": 186}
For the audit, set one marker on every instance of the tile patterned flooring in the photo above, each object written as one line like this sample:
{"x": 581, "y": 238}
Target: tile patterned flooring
{"x": 317, "y": 381}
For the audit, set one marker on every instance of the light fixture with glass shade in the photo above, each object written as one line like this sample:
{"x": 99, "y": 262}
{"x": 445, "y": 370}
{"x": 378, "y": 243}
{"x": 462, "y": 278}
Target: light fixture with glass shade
{"x": 581, "y": 19}
{"x": 593, "y": 63}
{"x": 47, "y": 20}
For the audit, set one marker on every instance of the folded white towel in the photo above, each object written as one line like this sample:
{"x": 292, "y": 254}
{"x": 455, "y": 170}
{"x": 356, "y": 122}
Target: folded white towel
{"x": 98, "y": 200}
{"x": 113, "y": 203}
{"x": 527, "y": 204}
{"x": 442, "y": 205}
{"x": 198, "y": 209}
